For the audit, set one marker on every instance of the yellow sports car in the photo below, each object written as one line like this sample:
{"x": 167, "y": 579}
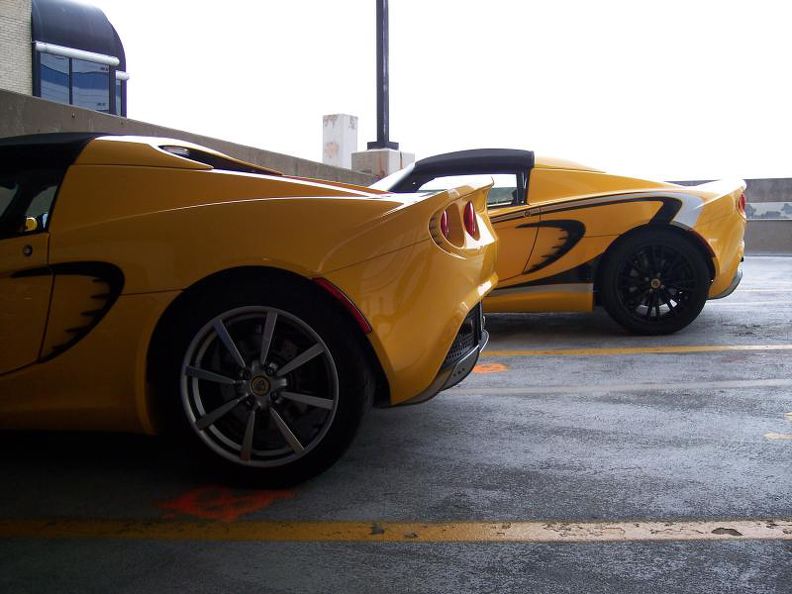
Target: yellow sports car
{"x": 150, "y": 284}
{"x": 572, "y": 237}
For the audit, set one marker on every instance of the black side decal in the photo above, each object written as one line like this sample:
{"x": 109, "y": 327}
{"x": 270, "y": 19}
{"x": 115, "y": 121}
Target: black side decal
{"x": 668, "y": 211}
{"x": 109, "y": 281}
{"x": 575, "y": 230}
{"x": 495, "y": 218}
{"x": 584, "y": 273}
{"x": 670, "y": 206}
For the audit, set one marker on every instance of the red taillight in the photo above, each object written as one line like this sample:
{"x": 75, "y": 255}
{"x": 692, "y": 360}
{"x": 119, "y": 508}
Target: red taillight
{"x": 471, "y": 226}
{"x": 741, "y": 204}
{"x": 342, "y": 298}
{"x": 444, "y": 229}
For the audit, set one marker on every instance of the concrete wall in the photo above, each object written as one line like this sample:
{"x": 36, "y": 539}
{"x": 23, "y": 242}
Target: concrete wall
{"x": 16, "y": 70}
{"x": 769, "y": 237}
{"x": 776, "y": 189}
{"x": 21, "y": 114}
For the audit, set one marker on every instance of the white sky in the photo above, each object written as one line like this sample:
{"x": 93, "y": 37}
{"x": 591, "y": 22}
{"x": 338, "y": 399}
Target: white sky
{"x": 674, "y": 89}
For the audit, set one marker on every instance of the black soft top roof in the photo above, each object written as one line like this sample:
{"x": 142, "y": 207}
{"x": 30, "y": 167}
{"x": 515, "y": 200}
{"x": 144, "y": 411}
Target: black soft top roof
{"x": 476, "y": 161}
{"x": 44, "y": 151}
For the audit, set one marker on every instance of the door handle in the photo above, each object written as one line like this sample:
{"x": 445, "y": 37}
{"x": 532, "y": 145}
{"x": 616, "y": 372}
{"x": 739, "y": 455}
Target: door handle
{"x": 27, "y": 250}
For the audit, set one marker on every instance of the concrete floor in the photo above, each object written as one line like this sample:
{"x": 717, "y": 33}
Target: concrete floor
{"x": 632, "y": 437}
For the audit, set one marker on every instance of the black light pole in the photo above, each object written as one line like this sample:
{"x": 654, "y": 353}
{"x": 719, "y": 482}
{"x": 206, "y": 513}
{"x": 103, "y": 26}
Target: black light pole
{"x": 383, "y": 115}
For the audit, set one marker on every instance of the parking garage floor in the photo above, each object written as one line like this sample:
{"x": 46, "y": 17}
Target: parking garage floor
{"x": 576, "y": 458}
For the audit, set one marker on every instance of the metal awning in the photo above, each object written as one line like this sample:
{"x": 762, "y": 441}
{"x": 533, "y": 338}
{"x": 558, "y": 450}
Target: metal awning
{"x": 76, "y": 26}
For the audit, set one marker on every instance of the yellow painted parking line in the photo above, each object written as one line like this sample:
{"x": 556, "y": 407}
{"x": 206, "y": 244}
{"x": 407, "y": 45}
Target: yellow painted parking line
{"x": 763, "y": 290}
{"x": 778, "y": 436}
{"x": 547, "y": 389}
{"x": 748, "y": 303}
{"x": 271, "y": 531}
{"x": 657, "y": 350}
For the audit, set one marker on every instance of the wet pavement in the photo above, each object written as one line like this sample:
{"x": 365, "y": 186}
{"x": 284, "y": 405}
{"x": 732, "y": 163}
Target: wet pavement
{"x": 602, "y": 429}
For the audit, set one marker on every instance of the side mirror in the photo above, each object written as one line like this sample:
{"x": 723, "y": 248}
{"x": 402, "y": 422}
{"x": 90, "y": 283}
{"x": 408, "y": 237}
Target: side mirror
{"x": 31, "y": 224}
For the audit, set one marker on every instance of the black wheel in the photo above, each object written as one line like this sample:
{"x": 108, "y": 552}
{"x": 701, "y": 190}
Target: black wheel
{"x": 655, "y": 282}
{"x": 269, "y": 385}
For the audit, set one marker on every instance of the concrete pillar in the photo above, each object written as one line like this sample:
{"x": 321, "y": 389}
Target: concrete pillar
{"x": 339, "y": 139}
{"x": 381, "y": 162}
{"x": 16, "y": 70}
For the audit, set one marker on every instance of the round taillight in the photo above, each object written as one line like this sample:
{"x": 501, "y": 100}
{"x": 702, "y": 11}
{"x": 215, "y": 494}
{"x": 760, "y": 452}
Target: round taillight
{"x": 741, "y": 203}
{"x": 444, "y": 229}
{"x": 471, "y": 226}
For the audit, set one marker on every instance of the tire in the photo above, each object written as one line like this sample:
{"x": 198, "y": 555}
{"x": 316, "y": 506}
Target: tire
{"x": 272, "y": 423}
{"x": 654, "y": 282}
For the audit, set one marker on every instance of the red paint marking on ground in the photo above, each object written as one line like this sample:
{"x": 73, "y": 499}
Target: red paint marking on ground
{"x": 490, "y": 368}
{"x": 222, "y": 503}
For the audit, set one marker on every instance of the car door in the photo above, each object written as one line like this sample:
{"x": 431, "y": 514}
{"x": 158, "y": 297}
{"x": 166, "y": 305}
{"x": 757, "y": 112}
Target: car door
{"x": 507, "y": 210}
{"x": 25, "y": 282}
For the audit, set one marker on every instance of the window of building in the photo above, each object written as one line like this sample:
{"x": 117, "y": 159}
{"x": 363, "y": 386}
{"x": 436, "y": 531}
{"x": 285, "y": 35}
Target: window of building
{"x": 119, "y": 97}
{"x": 90, "y": 85}
{"x": 55, "y": 83}
{"x": 78, "y": 56}
{"x": 83, "y": 83}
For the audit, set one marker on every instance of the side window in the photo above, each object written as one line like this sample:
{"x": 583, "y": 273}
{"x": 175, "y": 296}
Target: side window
{"x": 26, "y": 200}
{"x": 8, "y": 189}
{"x": 40, "y": 207}
{"x": 504, "y": 191}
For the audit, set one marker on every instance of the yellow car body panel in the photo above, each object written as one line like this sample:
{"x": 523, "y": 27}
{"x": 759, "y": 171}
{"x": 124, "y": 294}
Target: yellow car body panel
{"x": 565, "y": 218}
{"x": 99, "y": 384}
{"x": 167, "y": 222}
{"x": 718, "y": 223}
{"x": 385, "y": 305}
{"x": 23, "y": 301}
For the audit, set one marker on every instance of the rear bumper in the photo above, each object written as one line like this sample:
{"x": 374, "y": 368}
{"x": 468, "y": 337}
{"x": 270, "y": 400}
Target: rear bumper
{"x": 461, "y": 358}
{"x": 732, "y": 286}
{"x": 416, "y": 300}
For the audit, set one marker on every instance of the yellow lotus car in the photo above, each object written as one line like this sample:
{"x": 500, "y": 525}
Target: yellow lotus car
{"x": 150, "y": 284}
{"x": 572, "y": 237}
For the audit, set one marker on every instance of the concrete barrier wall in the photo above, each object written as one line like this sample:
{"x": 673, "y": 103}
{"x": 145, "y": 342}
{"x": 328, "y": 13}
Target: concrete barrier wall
{"x": 22, "y": 114}
{"x": 769, "y": 237}
{"x": 776, "y": 189}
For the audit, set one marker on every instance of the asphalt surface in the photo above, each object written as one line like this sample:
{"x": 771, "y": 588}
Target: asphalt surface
{"x": 604, "y": 436}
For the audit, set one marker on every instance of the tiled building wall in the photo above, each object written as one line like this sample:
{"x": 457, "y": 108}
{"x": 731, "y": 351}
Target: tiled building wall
{"x": 15, "y": 46}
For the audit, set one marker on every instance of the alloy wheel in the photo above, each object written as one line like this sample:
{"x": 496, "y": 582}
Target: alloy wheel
{"x": 259, "y": 386}
{"x": 656, "y": 283}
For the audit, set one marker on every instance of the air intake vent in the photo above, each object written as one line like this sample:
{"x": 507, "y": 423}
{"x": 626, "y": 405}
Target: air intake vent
{"x": 217, "y": 161}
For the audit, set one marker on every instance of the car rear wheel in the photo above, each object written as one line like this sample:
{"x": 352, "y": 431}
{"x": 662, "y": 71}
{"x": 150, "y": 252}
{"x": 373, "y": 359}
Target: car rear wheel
{"x": 656, "y": 282}
{"x": 271, "y": 386}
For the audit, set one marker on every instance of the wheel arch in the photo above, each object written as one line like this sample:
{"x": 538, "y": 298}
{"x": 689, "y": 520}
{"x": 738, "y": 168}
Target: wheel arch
{"x": 687, "y": 235}
{"x": 258, "y": 274}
